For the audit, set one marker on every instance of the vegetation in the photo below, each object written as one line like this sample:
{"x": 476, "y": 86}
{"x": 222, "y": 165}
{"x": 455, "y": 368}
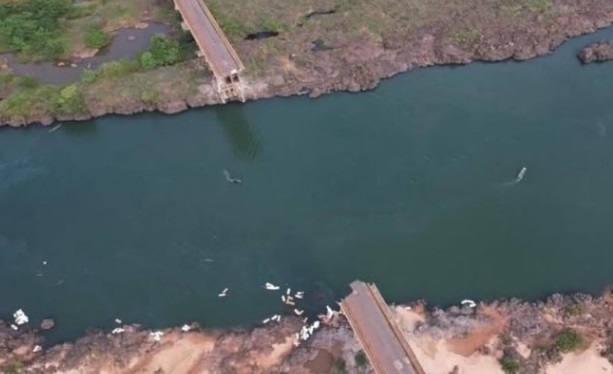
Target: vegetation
{"x": 509, "y": 364}
{"x": 163, "y": 52}
{"x": 574, "y": 310}
{"x": 360, "y": 359}
{"x": 33, "y": 27}
{"x": 96, "y": 38}
{"x": 339, "y": 366}
{"x": 568, "y": 340}
{"x": 13, "y": 367}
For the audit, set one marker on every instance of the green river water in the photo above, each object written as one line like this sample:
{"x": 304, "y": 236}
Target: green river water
{"x": 405, "y": 186}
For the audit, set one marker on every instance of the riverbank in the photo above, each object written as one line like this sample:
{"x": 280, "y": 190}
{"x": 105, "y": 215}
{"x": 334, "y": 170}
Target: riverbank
{"x": 563, "y": 334}
{"x": 347, "y": 46}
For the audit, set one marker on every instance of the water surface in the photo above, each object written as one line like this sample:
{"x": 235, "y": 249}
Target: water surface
{"x": 403, "y": 186}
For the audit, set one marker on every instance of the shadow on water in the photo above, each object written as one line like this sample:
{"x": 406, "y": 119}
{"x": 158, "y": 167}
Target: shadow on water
{"x": 79, "y": 129}
{"x": 244, "y": 141}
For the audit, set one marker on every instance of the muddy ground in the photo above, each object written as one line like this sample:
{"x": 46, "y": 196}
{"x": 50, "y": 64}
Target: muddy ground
{"x": 457, "y": 340}
{"x": 323, "y": 46}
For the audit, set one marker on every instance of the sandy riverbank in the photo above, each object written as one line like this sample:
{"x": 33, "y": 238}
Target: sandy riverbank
{"x": 326, "y": 47}
{"x": 526, "y": 336}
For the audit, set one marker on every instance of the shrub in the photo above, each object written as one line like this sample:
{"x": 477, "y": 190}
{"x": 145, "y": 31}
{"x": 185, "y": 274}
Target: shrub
{"x": 96, "y": 38}
{"x": 70, "y": 100}
{"x": 149, "y": 96}
{"x": 89, "y": 76}
{"x": 361, "y": 359}
{"x": 574, "y": 310}
{"x": 27, "y": 82}
{"x": 339, "y": 365}
{"x": 568, "y": 340}
{"x": 119, "y": 68}
{"x": 32, "y": 26}
{"x": 163, "y": 51}
{"x": 509, "y": 364}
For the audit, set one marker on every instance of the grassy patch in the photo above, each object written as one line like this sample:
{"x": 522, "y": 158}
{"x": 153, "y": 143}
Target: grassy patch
{"x": 44, "y": 100}
{"x": 568, "y": 340}
{"x": 539, "y": 6}
{"x": 466, "y": 36}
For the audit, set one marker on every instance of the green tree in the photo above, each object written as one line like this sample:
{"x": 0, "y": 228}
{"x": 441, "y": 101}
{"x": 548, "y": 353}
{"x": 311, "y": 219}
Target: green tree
{"x": 96, "y": 38}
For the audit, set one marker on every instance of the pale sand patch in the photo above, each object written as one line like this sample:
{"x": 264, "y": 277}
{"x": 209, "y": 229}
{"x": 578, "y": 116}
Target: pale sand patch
{"x": 443, "y": 360}
{"x": 279, "y": 351}
{"x": 588, "y": 362}
{"x": 522, "y": 349}
{"x": 438, "y": 356}
{"x": 179, "y": 354}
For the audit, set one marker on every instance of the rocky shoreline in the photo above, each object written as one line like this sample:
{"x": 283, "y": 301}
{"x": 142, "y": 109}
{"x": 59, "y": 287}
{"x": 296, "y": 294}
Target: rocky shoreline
{"x": 524, "y": 337}
{"x": 360, "y": 64}
{"x": 597, "y": 52}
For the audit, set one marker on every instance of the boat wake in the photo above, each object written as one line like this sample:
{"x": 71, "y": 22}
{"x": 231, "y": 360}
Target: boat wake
{"x": 519, "y": 178}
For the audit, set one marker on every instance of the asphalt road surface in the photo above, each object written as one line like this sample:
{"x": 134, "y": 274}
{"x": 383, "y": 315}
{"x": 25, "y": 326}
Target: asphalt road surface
{"x": 368, "y": 321}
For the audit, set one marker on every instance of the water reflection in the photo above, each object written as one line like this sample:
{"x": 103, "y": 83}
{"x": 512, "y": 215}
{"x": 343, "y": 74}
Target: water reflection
{"x": 80, "y": 129}
{"x": 243, "y": 139}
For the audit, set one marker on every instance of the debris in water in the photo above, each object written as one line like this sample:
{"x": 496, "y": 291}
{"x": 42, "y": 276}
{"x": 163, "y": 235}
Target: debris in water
{"x": 55, "y": 128}
{"x": 299, "y": 295}
{"x": 186, "y": 328}
{"x": 117, "y": 330}
{"x": 271, "y": 287}
{"x": 45, "y": 263}
{"x": 208, "y": 260}
{"x": 298, "y": 312}
{"x": 37, "y": 348}
{"x": 156, "y": 335}
{"x": 20, "y": 317}
{"x": 224, "y": 292}
{"x": 118, "y": 321}
{"x": 230, "y": 179}
{"x": 289, "y": 290}
{"x": 266, "y": 321}
{"x": 470, "y": 303}
{"x": 14, "y": 327}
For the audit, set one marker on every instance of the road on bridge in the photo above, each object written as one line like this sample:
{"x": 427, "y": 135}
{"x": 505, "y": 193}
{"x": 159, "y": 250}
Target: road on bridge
{"x": 386, "y": 348}
{"x": 210, "y": 39}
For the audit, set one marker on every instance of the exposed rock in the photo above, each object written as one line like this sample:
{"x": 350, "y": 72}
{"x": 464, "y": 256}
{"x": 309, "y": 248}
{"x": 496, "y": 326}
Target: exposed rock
{"x": 597, "y": 52}
{"x": 47, "y": 324}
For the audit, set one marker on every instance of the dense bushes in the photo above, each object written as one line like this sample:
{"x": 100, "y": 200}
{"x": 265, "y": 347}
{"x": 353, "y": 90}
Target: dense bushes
{"x": 44, "y": 99}
{"x": 568, "y": 340}
{"x": 32, "y": 27}
{"x": 163, "y": 52}
{"x": 96, "y": 38}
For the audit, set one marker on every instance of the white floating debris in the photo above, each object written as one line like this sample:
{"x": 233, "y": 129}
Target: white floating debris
{"x": 298, "y": 312}
{"x": 276, "y": 317}
{"x": 407, "y": 308}
{"x": 299, "y": 295}
{"x": 271, "y": 287}
{"x": 186, "y": 328}
{"x": 118, "y": 321}
{"x": 329, "y": 312}
{"x": 289, "y": 291}
{"x": 316, "y": 324}
{"x": 469, "y": 303}
{"x": 283, "y": 298}
{"x": 37, "y": 348}
{"x": 156, "y": 335}
{"x": 266, "y": 321}
{"x": 14, "y": 327}
{"x": 44, "y": 262}
{"x": 117, "y": 330}
{"x": 20, "y": 317}
{"x": 224, "y": 292}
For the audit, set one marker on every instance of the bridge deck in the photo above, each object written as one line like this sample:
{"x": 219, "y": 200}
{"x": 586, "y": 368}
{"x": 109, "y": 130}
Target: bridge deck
{"x": 213, "y": 44}
{"x": 386, "y": 348}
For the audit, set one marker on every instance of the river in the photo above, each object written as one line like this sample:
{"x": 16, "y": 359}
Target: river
{"x": 405, "y": 186}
